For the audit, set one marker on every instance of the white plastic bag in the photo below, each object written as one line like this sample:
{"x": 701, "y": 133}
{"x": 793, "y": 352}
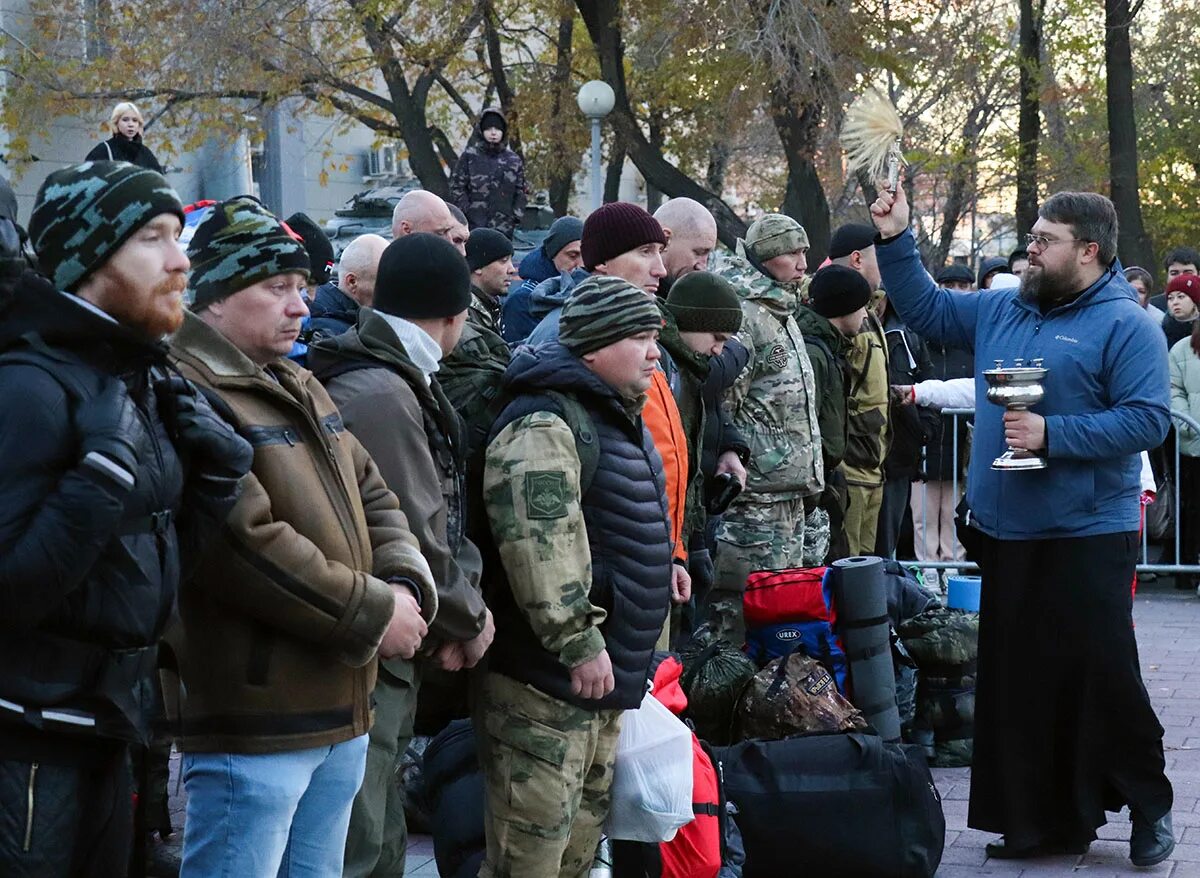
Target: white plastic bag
{"x": 652, "y": 775}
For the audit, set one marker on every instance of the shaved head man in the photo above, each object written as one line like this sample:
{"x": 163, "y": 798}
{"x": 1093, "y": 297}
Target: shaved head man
{"x": 691, "y": 236}
{"x": 358, "y": 266}
{"x": 421, "y": 211}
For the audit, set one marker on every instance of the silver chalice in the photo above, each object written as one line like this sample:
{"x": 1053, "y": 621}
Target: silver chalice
{"x": 1017, "y": 388}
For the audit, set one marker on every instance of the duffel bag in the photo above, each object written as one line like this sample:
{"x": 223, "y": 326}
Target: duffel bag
{"x": 840, "y": 805}
{"x": 793, "y": 595}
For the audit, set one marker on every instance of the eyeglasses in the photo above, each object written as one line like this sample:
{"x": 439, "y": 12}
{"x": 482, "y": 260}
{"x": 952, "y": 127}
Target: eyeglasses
{"x": 1042, "y": 242}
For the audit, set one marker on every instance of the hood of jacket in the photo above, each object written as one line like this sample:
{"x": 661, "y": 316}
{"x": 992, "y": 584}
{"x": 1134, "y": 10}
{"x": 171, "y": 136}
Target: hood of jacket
{"x": 33, "y": 306}
{"x": 333, "y": 304}
{"x": 370, "y": 339}
{"x": 478, "y": 132}
{"x": 994, "y": 263}
{"x": 754, "y": 284}
{"x": 813, "y": 325}
{"x": 537, "y": 267}
{"x": 550, "y": 295}
{"x": 552, "y": 367}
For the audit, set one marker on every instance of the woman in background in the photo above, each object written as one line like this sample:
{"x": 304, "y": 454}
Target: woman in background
{"x": 126, "y": 143}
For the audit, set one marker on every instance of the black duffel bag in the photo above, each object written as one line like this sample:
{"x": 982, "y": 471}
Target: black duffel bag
{"x": 838, "y": 805}
{"x": 454, "y": 791}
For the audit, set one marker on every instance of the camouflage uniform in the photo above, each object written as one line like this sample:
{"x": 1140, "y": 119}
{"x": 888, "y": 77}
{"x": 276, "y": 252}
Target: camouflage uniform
{"x": 774, "y": 405}
{"x": 547, "y": 763}
{"x": 488, "y": 183}
{"x": 869, "y": 435}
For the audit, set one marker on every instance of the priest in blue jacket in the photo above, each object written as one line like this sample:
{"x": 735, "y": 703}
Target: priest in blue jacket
{"x": 1064, "y": 729}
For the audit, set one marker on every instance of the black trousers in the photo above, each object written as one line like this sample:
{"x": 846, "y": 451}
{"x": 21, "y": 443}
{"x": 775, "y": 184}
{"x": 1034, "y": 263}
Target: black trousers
{"x": 66, "y": 820}
{"x": 1188, "y": 486}
{"x": 891, "y": 515}
{"x": 1064, "y": 729}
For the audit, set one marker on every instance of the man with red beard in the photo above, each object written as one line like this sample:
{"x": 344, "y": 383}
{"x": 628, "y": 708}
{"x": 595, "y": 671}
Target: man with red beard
{"x": 115, "y": 472}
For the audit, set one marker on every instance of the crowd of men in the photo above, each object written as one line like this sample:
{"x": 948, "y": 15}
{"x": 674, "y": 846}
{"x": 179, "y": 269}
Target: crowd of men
{"x": 260, "y": 523}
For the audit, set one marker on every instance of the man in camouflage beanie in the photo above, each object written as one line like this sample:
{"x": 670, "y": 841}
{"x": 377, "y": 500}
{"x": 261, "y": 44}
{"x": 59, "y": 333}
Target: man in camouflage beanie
{"x": 583, "y": 584}
{"x": 112, "y": 472}
{"x": 773, "y": 403}
{"x": 317, "y": 574}
{"x": 240, "y": 244}
{"x": 84, "y": 213}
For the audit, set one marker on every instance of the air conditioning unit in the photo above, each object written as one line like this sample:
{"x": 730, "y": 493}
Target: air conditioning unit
{"x": 381, "y": 162}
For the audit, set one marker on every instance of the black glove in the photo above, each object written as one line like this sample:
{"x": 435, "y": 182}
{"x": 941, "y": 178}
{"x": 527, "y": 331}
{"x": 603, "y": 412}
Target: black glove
{"x": 216, "y": 449}
{"x": 702, "y": 570}
{"x": 110, "y": 426}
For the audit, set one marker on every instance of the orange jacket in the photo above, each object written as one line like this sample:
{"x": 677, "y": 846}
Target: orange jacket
{"x": 661, "y": 416}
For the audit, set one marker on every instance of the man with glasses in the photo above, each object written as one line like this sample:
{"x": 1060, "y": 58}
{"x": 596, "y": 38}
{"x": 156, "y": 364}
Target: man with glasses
{"x": 1064, "y": 729}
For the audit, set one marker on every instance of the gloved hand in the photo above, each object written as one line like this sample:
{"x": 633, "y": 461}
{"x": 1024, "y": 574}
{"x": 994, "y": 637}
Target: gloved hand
{"x": 110, "y": 426}
{"x": 216, "y": 449}
{"x": 702, "y": 569}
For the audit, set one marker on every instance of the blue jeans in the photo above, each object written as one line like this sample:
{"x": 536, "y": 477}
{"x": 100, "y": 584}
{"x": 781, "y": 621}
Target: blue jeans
{"x": 272, "y": 814}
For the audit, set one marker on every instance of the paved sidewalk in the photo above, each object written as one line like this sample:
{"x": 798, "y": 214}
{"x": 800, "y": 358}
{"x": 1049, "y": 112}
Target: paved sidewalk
{"x": 1169, "y": 642}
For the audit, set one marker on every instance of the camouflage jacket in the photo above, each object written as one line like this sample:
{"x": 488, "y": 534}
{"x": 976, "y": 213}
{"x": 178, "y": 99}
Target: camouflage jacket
{"x": 482, "y": 312}
{"x": 488, "y": 184}
{"x": 586, "y": 570}
{"x": 867, "y": 427}
{"x": 774, "y": 400}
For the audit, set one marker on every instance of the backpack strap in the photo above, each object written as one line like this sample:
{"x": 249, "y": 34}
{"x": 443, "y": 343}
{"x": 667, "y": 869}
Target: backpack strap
{"x": 108, "y": 149}
{"x": 587, "y": 447}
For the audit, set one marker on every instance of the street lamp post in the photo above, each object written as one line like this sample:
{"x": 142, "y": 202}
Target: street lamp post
{"x": 596, "y": 100}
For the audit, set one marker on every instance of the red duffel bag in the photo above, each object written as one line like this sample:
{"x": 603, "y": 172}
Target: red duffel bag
{"x": 775, "y": 597}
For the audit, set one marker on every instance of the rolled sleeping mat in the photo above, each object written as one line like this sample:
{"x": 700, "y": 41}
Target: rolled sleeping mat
{"x": 860, "y": 602}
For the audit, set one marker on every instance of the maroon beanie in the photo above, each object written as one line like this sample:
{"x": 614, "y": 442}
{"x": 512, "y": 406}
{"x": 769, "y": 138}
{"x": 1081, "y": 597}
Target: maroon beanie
{"x": 617, "y": 228}
{"x": 1188, "y": 284}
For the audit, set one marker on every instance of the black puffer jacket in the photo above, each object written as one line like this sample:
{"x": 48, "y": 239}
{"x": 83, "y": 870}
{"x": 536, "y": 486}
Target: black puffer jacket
{"x": 120, "y": 148}
{"x": 948, "y": 362}
{"x": 88, "y": 571}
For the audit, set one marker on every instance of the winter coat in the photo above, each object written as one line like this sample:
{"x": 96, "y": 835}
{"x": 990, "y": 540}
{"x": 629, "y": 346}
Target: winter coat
{"x": 331, "y": 313}
{"x": 774, "y": 400}
{"x": 515, "y": 320}
{"x": 827, "y": 351}
{"x": 88, "y": 567}
{"x": 280, "y": 626}
{"x": 488, "y": 183}
{"x": 545, "y": 304}
{"x": 1185, "y": 393}
{"x": 868, "y": 429}
{"x": 913, "y": 427}
{"x": 1107, "y": 396}
{"x": 720, "y": 433}
{"x": 120, "y": 148}
{"x": 585, "y": 571}
{"x": 416, "y": 439}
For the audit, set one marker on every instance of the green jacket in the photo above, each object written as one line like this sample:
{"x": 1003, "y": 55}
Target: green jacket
{"x": 1185, "y": 393}
{"x": 868, "y": 430}
{"x": 828, "y": 351}
{"x": 774, "y": 400}
{"x": 686, "y": 378}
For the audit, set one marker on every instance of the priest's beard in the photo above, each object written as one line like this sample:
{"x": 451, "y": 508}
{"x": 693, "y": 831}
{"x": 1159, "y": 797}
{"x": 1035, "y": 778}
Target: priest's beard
{"x": 1044, "y": 286}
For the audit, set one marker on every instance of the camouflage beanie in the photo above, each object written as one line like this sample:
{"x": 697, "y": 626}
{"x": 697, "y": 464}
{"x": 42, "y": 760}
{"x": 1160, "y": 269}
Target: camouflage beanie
{"x": 84, "y": 213}
{"x": 240, "y": 244}
{"x": 773, "y": 235}
{"x": 701, "y": 301}
{"x": 603, "y": 310}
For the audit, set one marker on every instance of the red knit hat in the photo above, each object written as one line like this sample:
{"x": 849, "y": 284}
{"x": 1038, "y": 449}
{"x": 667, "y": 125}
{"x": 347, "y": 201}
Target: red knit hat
{"x": 617, "y": 228}
{"x": 1188, "y": 284}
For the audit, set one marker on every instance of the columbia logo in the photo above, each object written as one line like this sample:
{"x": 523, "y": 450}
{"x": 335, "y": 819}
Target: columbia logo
{"x": 1066, "y": 338}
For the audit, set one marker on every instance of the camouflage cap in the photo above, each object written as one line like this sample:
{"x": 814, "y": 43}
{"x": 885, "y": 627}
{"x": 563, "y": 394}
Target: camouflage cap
{"x": 603, "y": 310}
{"x": 84, "y": 213}
{"x": 773, "y": 235}
{"x": 240, "y": 244}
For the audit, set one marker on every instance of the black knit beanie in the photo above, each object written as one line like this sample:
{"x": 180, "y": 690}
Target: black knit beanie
{"x": 485, "y": 246}
{"x": 422, "y": 277}
{"x": 617, "y": 228}
{"x": 84, "y": 213}
{"x": 316, "y": 242}
{"x": 837, "y": 290}
{"x": 239, "y": 244}
{"x": 701, "y": 301}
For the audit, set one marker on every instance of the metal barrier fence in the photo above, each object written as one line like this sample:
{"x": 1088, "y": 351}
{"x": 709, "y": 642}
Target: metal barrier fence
{"x": 1144, "y": 565}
